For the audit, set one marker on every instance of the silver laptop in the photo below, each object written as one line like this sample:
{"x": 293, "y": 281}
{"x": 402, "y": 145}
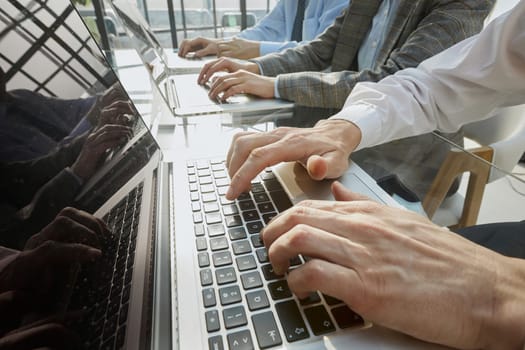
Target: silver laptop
{"x": 184, "y": 95}
{"x": 183, "y": 268}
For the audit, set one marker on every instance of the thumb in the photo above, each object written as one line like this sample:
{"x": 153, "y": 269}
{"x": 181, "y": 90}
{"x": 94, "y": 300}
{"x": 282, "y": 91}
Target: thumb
{"x": 330, "y": 165}
{"x": 341, "y": 193}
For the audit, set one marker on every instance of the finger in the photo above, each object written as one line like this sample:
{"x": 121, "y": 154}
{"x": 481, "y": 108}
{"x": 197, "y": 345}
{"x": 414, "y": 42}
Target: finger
{"x": 183, "y": 48}
{"x": 16, "y": 302}
{"x": 208, "y": 50}
{"x": 346, "y": 219}
{"x": 341, "y": 193}
{"x": 328, "y": 278}
{"x": 69, "y": 230}
{"x": 232, "y": 145}
{"x": 84, "y": 218}
{"x": 56, "y": 253}
{"x": 315, "y": 243}
{"x": 208, "y": 69}
{"x": 218, "y": 84}
{"x": 244, "y": 147}
{"x": 52, "y": 335}
{"x": 238, "y": 87}
{"x": 253, "y": 160}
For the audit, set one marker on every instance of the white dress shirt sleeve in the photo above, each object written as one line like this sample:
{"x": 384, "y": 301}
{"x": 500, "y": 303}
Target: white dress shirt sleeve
{"x": 460, "y": 85}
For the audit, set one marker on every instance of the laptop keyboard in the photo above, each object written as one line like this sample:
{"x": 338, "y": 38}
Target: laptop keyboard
{"x": 246, "y": 305}
{"x": 106, "y": 304}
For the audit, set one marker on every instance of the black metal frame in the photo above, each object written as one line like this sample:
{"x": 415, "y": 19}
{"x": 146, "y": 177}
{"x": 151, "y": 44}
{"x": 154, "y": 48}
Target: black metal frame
{"x": 99, "y": 11}
{"x": 40, "y": 43}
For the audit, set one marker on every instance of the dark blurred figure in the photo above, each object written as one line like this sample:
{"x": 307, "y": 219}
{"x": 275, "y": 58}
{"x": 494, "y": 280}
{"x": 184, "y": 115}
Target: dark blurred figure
{"x": 35, "y": 283}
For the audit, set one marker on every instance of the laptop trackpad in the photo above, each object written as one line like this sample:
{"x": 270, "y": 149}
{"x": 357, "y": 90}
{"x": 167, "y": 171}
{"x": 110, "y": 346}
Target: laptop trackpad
{"x": 300, "y": 186}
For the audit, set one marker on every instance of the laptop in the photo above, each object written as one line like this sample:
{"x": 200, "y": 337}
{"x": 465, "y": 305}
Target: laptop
{"x": 184, "y": 95}
{"x": 183, "y": 268}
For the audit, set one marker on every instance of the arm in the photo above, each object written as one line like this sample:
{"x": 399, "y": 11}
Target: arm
{"x": 318, "y": 17}
{"x": 447, "y": 23}
{"x": 458, "y": 86}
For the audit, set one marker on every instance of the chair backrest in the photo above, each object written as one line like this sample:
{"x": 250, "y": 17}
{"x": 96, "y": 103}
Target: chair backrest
{"x": 504, "y": 132}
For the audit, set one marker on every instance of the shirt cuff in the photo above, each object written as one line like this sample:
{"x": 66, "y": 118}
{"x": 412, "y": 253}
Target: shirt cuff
{"x": 267, "y": 47}
{"x": 77, "y": 178}
{"x": 366, "y": 119}
{"x": 276, "y": 93}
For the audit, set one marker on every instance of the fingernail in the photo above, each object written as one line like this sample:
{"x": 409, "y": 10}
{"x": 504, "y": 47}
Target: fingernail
{"x": 95, "y": 253}
{"x": 230, "y": 193}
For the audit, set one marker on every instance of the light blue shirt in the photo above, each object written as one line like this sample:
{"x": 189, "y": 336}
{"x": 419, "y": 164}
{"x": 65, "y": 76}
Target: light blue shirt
{"x": 374, "y": 40}
{"x": 366, "y": 57}
{"x": 275, "y": 29}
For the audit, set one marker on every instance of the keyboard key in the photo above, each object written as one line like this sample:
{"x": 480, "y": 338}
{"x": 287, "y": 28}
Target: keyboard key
{"x": 251, "y": 280}
{"x": 240, "y": 341}
{"x": 319, "y": 320}
{"x": 221, "y": 259}
{"x": 230, "y": 295}
{"x": 295, "y": 261}
{"x": 243, "y": 196}
{"x": 268, "y": 217}
{"x": 262, "y": 255}
{"x": 266, "y": 330}
{"x": 312, "y": 298}
{"x": 246, "y": 262}
{"x": 250, "y": 215}
{"x": 281, "y": 200}
{"x": 216, "y": 230}
{"x": 197, "y": 218}
{"x": 219, "y": 174}
{"x": 268, "y": 272}
{"x": 246, "y": 205}
{"x": 237, "y": 233}
{"x": 279, "y": 290}
{"x": 204, "y": 259}
{"x": 223, "y": 181}
{"x": 225, "y": 201}
{"x": 234, "y": 220}
{"x": 203, "y": 172}
{"x": 212, "y": 321}
{"x": 291, "y": 321}
{"x": 215, "y": 343}
{"x": 273, "y": 185}
{"x": 254, "y": 227}
{"x": 266, "y": 207}
{"x": 201, "y": 243}
{"x": 261, "y": 197}
{"x": 211, "y": 207}
{"x": 241, "y": 247}
{"x": 194, "y": 196}
{"x": 213, "y": 218}
{"x": 225, "y": 275}
{"x": 208, "y": 297}
{"x": 206, "y": 277}
{"x": 205, "y": 180}
{"x": 257, "y": 241}
{"x": 234, "y": 317}
{"x": 257, "y": 300}
{"x": 222, "y": 190}
{"x": 230, "y": 209}
{"x": 202, "y": 164}
{"x": 192, "y": 178}
{"x": 218, "y": 243}
{"x": 198, "y": 229}
{"x": 196, "y": 206}
{"x": 209, "y": 197}
{"x": 345, "y": 317}
{"x": 257, "y": 188}
{"x": 207, "y": 188}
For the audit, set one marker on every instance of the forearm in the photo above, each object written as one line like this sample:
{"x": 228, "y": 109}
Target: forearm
{"x": 506, "y": 327}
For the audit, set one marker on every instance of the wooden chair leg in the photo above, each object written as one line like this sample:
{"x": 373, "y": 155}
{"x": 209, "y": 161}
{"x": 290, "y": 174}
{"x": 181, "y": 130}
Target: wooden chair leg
{"x": 456, "y": 163}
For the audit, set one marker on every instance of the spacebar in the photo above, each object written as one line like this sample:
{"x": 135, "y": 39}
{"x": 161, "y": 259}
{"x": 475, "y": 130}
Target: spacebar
{"x": 281, "y": 200}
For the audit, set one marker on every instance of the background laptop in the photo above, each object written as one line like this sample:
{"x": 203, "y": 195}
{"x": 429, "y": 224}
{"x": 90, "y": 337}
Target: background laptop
{"x": 185, "y": 96}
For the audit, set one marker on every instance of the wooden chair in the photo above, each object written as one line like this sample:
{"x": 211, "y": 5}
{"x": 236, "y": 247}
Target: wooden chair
{"x": 502, "y": 140}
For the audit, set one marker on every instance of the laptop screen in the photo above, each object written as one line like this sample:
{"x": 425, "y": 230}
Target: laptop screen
{"x": 69, "y": 137}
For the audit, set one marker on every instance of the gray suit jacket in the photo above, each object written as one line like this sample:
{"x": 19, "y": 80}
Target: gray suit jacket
{"x": 420, "y": 29}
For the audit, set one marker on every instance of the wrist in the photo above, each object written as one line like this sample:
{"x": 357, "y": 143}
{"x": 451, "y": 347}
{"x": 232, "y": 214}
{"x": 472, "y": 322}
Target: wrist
{"x": 253, "y": 68}
{"x": 506, "y": 326}
{"x": 349, "y": 133}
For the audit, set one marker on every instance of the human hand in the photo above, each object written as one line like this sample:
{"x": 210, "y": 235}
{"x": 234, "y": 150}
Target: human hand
{"x": 44, "y": 269}
{"x": 200, "y": 46}
{"x": 113, "y": 94}
{"x": 225, "y": 65}
{"x": 323, "y": 150}
{"x": 241, "y": 82}
{"x": 95, "y": 147}
{"x": 117, "y": 113}
{"x": 71, "y": 226}
{"x": 399, "y": 270}
{"x": 239, "y": 48}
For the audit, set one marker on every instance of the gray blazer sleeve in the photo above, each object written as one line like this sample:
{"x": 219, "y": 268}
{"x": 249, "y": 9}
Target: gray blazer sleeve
{"x": 439, "y": 25}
